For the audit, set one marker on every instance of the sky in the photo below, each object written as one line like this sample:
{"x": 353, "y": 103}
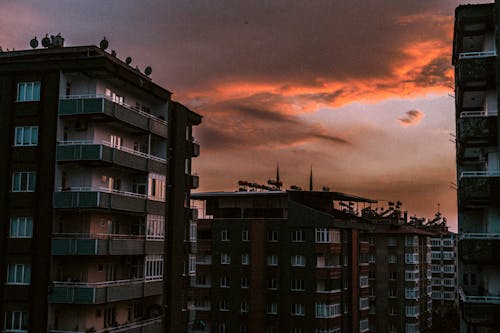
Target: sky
{"x": 359, "y": 90}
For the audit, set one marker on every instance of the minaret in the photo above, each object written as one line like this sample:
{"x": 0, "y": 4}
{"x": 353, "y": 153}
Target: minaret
{"x": 311, "y": 180}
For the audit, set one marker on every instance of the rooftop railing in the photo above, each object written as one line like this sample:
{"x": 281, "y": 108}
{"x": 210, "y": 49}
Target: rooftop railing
{"x": 109, "y": 98}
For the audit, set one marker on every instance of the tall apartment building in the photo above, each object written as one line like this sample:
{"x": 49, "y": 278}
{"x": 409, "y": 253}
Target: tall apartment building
{"x": 280, "y": 262}
{"x": 399, "y": 277}
{"x": 444, "y": 281}
{"x": 477, "y": 77}
{"x": 93, "y": 239}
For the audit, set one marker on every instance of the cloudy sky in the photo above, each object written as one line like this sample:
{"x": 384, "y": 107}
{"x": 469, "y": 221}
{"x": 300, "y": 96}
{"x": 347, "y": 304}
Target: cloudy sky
{"x": 359, "y": 89}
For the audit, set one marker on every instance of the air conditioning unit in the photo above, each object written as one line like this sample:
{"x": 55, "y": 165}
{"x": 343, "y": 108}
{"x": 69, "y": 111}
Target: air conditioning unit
{"x": 80, "y": 126}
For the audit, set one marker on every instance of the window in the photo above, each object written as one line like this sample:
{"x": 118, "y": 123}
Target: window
{"x": 244, "y": 282}
{"x": 327, "y": 310}
{"x": 224, "y": 235}
{"x": 412, "y": 293}
{"x": 243, "y": 329}
{"x": 224, "y": 282}
{"x": 272, "y": 236}
{"x": 272, "y": 308}
{"x": 23, "y": 181}
{"x": 296, "y": 330}
{"x": 412, "y": 328}
{"x": 392, "y": 258}
{"x": 297, "y": 285}
{"x": 298, "y": 260}
{"x": 154, "y": 267}
{"x": 393, "y": 275}
{"x": 412, "y": 310}
{"x": 19, "y": 274}
{"x": 21, "y": 227}
{"x": 201, "y": 280}
{"x": 391, "y": 241}
{"x": 192, "y": 264}
{"x": 245, "y": 259}
{"x": 245, "y": 236}
{"x": 411, "y": 240}
{"x": 363, "y": 325}
{"x": 156, "y": 187}
{"x": 412, "y": 275}
{"x": 16, "y": 321}
{"x": 244, "y": 306}
{"x": 155, "y": 227}
{"x": 392, "y": 310}
{"x": 364, "y": 303}
{"x": 28, "y": 91}
{"x": 411, "y": 258}
{"x": 363, "y": 281}
{"x": 272, "y": 283}
{"x": 223, "y": 305}
{"x": 225, "y": 258}
{"x": 298, "y": 310}
{"x": 272, "y": 260}
{"x": 325, "y": 235}
{"x": 115, "y": 141}
{"x": 222, "y": 327}
{"x": 193, "y": 231}
{"x": 328, "y": 330}
{"x": 392, "y": 292}
{"x": 298, "y": 236}
{"x": 26, "y": 136}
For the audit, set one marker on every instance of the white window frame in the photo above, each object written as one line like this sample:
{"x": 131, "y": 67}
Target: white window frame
{"x": 225, "y": 258}
{"x": 28, "y": 136}
{"x": 223, "y": 305}
{"x": 298, "y": 236}
{"x": 297, "y": 309}
{"x": 272, "y": 260}
{"x": 21, "y": 227}
{"x": 155, "y": 227}
{"x": 15, "y": 321}
{"x": 272, "y": 308}
{"x": 298, "y": 260}
{"x": 28, "y": 91}
{"x": 18, "y": 274}
{"x": 224, "y": 235}
{"x": 245, "y": 236}
{"x": 153, "y": 267}
{"x": 224, "y": 282}
{"x": 297, "y": 285}
{"x": 29, "y": 178}
{"x": 273, "y": 236}
{"x": 245, "y": 259}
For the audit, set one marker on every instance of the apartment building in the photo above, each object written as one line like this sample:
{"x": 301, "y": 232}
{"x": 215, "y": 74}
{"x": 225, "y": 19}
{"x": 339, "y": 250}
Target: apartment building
{"x": 94, "y": 240}
{"x": 278, "y": 261}
{"x": 399, "y": 277}
{"x": 444, "y": 281}
{"x": 478, "y": 165}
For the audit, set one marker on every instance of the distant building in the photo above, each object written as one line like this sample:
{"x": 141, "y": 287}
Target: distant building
{"x": 84, "y": 142}
{"x": 444, "y": 282}
{"x": 477, "y": 75}
{"x": 280, "y": 262}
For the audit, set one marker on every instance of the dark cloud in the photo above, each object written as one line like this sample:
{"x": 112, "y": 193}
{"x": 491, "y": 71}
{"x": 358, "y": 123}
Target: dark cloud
{"x": 435, "y": 73}
{"x": 412, "y": 117}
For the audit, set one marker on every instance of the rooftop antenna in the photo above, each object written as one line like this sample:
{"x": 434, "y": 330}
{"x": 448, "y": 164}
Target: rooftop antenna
{"x": 311, "y": 180}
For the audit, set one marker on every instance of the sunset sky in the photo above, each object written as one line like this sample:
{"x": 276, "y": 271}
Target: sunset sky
{"x": 362, "y": 90}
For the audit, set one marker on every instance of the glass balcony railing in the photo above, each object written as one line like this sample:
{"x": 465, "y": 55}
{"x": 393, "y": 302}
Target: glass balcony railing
{"x": 97, "y": 244}
{"x": 146, "y": 326}
{"x": 77, "y": 105}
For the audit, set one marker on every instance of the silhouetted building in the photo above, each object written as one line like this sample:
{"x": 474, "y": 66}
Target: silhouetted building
{"x": 478, "y": 165}
{"x": 280, "y": 262}
{"x": 86, "y": 246}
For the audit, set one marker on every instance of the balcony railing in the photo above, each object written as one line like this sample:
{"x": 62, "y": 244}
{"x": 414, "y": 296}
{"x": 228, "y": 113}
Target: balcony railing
{"x": 97, "y": 244}
{"x": 475, "y": 174}
{"x": 108, "y": 144}
{"x": 488, "y": 299}
{"x": 479, "y": 236}
{"x": 149, "y": 325}
{"x": 482, "y": 54}
{"x": 471, "y": 114}
{"x": 108, "y": 98}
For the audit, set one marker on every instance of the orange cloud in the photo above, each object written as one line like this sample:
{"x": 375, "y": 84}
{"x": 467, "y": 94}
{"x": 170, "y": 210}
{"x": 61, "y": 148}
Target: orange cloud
{"x": 411, "y": 118}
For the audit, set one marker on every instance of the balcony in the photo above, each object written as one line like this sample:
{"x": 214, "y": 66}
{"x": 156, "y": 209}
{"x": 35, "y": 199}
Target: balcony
{"x": 105, "y": 198}
{"x": 477, "y": 128}
{"x": 102, "y": 107}
{"x": 479, "y": 187}
{"x": 102, "y": 292}
{"x": 89, "y": 151}
{"x": 145, "y": 326}
{"x": 98, "y": 244}
{"x": 480, "y": 54}
{"x": 192, "y": 181}
{"x": 480, "y": 310}
{"x": 193, "y": 148}
{"x": 479, "y": 248}
{"x": 474, "y": 70}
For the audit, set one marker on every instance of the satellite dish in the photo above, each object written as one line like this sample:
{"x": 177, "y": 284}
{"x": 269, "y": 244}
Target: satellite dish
{"x": 34, "y": 43}
{"x": 128, "y": 60}
{"x": 113, "y": 53}
{"x": 104, "y": 44}
{"x": 46, "y": 41}
{"x": 148, "y": 71}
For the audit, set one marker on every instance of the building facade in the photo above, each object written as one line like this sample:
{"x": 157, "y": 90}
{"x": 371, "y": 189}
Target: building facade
{"x": 280, "y": 262}
{"x": 444, "y": 282}
{"x": 400, "y": 278}
{"x": 94, "y": 237}
{"x": 478, "y": 168}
